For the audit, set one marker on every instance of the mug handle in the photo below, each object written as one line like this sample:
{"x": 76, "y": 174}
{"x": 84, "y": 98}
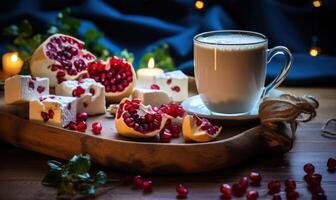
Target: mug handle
{"x": 278, "y": 50}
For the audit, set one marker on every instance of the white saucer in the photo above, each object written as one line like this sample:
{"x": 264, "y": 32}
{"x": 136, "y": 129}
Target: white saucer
{"x": 194, "y": 105}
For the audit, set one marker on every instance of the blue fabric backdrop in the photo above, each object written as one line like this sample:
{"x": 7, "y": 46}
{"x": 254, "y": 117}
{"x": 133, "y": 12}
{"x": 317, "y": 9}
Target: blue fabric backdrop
{"x": 140, "y": 25}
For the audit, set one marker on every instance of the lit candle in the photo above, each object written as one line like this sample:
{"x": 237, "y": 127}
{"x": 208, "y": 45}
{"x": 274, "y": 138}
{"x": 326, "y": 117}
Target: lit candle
{"x": 146, "y": 75}
{"x": 11, "y": 63}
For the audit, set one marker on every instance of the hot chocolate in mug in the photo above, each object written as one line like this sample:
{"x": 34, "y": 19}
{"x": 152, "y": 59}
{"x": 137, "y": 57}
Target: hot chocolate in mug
{"x": 230, "y": 69}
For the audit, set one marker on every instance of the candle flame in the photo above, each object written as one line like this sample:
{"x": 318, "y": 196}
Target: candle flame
{"x": 14, "y": 58}
{"x": 151, "y": 63}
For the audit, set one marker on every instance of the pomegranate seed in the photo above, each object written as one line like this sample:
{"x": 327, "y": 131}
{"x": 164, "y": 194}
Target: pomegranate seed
{"x": 147, "y": 186}
{"x": 244, "y": 182}
{"x": 290, "y": 184}
{"x": 40, "y": 89}
{"x": 292, "y": 195}
{"x": 175, "y": 130}
{"x": 252, "y": 195}
{"x": 81, "y": 126}
{"x": 176, "y": 88}
{"x": 69, "y": 106}
{"x": 137, "y": 181}
{"x": 169, "y": 81}
{"x": 51, "y": 114}
{"x": 225, "y": 189}
{"x": 238, "y": 190}
{"x": 309, "y": 168}
{"x": 319, "y": 196}
{"x": 44, "y": 116}
{"x": 82, "y": 116}
{"x": 154, "y": 87}
{"x": 316, "y": 190}
{"x": 78, "y": 91}
{"x": 314, "y": 180}
{"x": 72, "y": 126}
{"x": 165, "y": 136}
{"x": 182, "y": 191}
{"x": 96, "y": 128}
{"x": 274, "y": 186}
{"x": 276, "y": 197}
{"x": 31, "y": 84}
{"x": 92, "y": 91}
{"x": 331, "y": 164}
{"x": 255, "y": 178}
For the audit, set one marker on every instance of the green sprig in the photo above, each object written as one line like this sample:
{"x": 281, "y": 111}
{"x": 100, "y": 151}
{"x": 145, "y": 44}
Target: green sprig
{"x": 161, "y": 56}
{"x": 74, "y": 177}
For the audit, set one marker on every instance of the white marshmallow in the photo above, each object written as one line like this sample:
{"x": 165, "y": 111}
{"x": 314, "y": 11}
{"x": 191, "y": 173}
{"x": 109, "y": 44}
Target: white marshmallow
{"x": 151, "y": 97}
{"x": 60, "y": 110}
{"x": 20, "y": 89}
{"x": 91, "y": 103}
{"x": 175, "y": 83}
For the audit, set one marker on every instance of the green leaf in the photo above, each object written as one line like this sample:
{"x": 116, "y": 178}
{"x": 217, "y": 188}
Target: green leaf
{"x": 79, "y": 164}
{"x": 84, "y": 177}
{"x": 52, "y": 178}
{"x": 54, "y": 165}
{"x": 92, "y": 35}
{"x": 100, "y": 178}
{"x": 91, "y": 191}
{"x": 52, "y": 30}
{"x": 127, "y": 55}
{"x": 26, "y": 29}
{"x": 161, "y": 56}
{"x": 144, "y": 60}
{"x": 12, "y": 30}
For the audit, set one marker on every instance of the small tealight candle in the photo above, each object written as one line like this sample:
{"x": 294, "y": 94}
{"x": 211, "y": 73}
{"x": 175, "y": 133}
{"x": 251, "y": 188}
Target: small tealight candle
{"x": 146, "y": 75}
{"x": 11, "y": 63}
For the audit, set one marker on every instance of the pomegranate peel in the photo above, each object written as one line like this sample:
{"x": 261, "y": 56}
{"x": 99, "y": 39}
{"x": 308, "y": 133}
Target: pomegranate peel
{"x": 135, "y": 120}
{"x": 60, "y": 57}
{"x": 199, "y": 129}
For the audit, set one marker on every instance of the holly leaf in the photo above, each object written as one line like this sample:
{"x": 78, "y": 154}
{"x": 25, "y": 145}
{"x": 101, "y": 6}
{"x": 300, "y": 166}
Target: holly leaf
{"x": 100, "y": 178}
{"x": 79, "y": 164}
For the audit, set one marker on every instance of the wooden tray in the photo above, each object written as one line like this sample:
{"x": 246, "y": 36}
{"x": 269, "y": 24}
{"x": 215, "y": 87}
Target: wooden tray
{"x": 235, "y": 144}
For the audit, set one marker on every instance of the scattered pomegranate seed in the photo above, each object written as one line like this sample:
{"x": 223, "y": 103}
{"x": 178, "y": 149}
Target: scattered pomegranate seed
{"x": 225, "y": 189}
{"x": 169, "y": 81}
{"x": 31, "y": 84}
{"x": 50, "y": 114}
{"x": 252, "y": 195}
{"x": 276, "y": 197}
{"x": 255, "y": 178}
{"x": 290, "y": 185}
{"x": 182, "y": 192}
{"x": 155, "y": 87}
{"x": 96, "y": 128}
{"x": 40, "y": 89}
{"x": 176, "y": 88}
{"x": 274, "y": 186}
{"x": 147, "y": 186}
{"x": 331, "y": 164}
{"x": 309, "y": 168}
{"x": 69, "y": 106}
{"x": 81, "y": 117}
{"x": 44, "y": 116}
{"x": 137, "y": 181}
{"x": 238, "y": 190}
{"x": 72, "y": 126}
{"x": 292, "y": 195}
{"x": 319, "y": 196}
{"x": 165, "y": 136}
{"x": 81, "y": 126}
{"x": 316, "y": 190}
{"x": 78, "y": 91}
{"x": 244, "y": 182}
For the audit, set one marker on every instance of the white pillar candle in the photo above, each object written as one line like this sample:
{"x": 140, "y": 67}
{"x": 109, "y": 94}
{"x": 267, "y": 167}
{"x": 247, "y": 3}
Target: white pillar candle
{"x": 146, "y": 75}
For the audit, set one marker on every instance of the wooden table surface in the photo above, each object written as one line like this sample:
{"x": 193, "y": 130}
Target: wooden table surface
{"x": 21, "y": 171}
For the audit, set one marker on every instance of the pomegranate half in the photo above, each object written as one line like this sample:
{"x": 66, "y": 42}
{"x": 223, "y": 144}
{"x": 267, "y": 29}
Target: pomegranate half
{"x": 133, "y": 119}
{"x": 116, "y": 75}
{"x": 199, "y": 129}
{"x": 60, "y": 57}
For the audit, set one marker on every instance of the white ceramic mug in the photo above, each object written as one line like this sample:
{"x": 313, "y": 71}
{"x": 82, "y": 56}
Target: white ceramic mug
{"x": 230, "y": 69}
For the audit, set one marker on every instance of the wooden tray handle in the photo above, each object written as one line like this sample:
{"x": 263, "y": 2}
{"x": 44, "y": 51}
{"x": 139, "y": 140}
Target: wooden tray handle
{"x": 280, "y": 117}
